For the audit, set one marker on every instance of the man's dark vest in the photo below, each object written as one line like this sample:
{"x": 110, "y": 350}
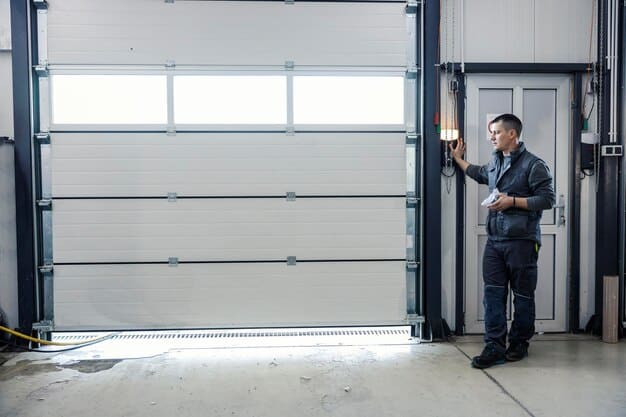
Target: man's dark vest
{"x": 513, "y": 223}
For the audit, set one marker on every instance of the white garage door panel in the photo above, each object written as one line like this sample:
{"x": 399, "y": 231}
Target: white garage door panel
{"x": 232, "y": 295}
{"x": 230, "y": 229}
{"x": 140, "y": 164}
{"x": 226, "y": 33}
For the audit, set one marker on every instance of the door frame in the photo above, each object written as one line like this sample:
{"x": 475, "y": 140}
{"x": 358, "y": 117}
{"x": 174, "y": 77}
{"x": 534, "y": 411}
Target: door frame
{"x": 576, "y": 71}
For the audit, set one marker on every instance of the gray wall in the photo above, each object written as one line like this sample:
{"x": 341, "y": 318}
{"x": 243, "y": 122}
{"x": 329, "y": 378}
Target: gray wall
{"x": 8, "y": 252}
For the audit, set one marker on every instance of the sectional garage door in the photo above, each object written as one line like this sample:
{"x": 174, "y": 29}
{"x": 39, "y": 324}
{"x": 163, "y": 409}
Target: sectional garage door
{"x": 226, "y": 164}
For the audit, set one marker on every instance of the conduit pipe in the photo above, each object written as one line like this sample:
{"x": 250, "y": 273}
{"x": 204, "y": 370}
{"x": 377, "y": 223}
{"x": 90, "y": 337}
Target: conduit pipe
{"x": 613, "y": 31}
{"x": 462, "y": 21}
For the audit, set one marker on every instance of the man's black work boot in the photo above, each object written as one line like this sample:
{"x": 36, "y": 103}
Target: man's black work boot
{"x": 490, "y": 356}
{"x": 516, "y": 352}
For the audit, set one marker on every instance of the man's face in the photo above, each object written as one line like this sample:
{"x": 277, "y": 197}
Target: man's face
{"x": 502, "y": 139}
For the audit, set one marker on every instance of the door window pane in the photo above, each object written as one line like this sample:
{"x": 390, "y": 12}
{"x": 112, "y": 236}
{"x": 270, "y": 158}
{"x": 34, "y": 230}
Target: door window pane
{"x": 348, "y": 100}
{"x": 230, "y": 99}
{"x": 109, "y": 99}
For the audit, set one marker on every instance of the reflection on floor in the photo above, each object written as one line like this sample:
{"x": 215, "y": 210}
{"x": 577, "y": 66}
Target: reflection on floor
{"x": 563, "y": 376}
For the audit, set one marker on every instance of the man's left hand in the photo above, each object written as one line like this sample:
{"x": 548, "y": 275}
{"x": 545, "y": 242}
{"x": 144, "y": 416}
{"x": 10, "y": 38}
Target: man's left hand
{"x": 502, "y": 203}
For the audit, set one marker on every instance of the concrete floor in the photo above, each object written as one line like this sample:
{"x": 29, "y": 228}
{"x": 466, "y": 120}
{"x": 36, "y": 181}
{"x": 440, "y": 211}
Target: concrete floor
{"x": 564, "y": 376}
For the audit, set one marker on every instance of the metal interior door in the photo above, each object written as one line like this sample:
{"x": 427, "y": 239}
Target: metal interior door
{"x": 541, "y": 102}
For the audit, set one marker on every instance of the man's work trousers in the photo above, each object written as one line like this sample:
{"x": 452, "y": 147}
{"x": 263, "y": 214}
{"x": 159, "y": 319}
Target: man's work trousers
{"x": 511, "y": 263}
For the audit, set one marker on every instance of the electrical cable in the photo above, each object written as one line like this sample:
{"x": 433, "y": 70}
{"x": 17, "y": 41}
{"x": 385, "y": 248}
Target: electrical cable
{"x": 47, "y": 342}
{"x": 30, "y": 349}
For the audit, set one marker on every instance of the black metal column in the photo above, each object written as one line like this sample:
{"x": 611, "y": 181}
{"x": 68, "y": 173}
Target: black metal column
{"x": 432, "y": 181}
{"x": 574, "y": 204}
{"x": 608, "y": 216}
{"x": 25, "y": 221}
{"x": 459, "y": 320}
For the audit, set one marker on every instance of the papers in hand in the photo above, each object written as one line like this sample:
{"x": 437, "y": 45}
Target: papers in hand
{"x": 491, "y": 198}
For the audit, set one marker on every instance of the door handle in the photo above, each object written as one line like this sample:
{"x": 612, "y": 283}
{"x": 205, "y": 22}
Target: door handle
{"x": 561, "y": 211}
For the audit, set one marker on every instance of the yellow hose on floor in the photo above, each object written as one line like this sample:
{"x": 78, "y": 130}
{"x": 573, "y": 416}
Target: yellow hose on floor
{"x": 47, "y": 342}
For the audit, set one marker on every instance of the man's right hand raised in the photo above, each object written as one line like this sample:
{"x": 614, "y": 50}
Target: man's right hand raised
{"x": 457, "y": 153}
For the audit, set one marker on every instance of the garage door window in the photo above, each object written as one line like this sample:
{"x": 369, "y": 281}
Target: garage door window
{"x": 348, "y": 100}
{"x": 109, "y": 99}
{"x": 201, "y": 99}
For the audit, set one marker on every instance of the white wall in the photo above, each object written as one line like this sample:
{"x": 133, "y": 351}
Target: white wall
{"x": 8, "y": 250}
{"x": 530, "y": 31}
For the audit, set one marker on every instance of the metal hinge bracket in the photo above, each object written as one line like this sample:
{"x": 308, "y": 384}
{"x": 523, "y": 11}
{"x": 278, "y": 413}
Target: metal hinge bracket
{"x": 411, "y": 199}
{"x": 172, "y": 261}
{"x": 45, "y": 204}
{"x": 46, "y": 268}
{"x": 412, "y": 265}
{"x": 43, "y": 138}
{"x": 172, "y": 197}
{"x": 291, "y": 260}
{"x": 41, "y": 70}
{"x": 40, "y": 4}
{"x": 43, "y": 326}
{"x": 291, "y": 196}
{"x": 411, "y": 6}
{"x": 411, "y": 138}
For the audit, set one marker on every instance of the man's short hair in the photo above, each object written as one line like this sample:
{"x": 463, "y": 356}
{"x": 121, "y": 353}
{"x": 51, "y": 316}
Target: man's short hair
{"x": 510, "y": 121}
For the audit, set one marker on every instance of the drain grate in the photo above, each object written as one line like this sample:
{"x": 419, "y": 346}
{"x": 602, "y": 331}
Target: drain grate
{"x": 233, "y": 334}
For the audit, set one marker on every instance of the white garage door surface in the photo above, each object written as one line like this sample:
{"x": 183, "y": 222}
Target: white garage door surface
{"x": 227, "y": 164}
{"x": 167, "y": 213}
{"x": 228, "y": 230}
{"x": 228, "y": 295}
{"x": 149, "y": 32}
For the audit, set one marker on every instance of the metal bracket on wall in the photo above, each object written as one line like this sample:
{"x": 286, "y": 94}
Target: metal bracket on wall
{"x": 172, "y": 197}
{"x": 172, "y": 261}
{"x": 411, "y": 138}
{"x": 412, "y": 5}
{"x": 412, "y": 265}
{"x": 42, "y": 138}
{"x": 41, "y": 70}
{"x": 411, "y": 200}
{"x": 40, "y": 4}
{"x": 46, "y": 268}
{"x": 44, "y": 204}
{"x": 416, "y": 321}
{"x": 291, "y": 260}
{"x": 43, "y": 326}
{"x": 612, "y": 150}
{"x": 291, "y": 196}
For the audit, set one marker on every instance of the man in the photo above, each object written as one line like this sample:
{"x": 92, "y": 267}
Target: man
{"x": 525, "y": 189}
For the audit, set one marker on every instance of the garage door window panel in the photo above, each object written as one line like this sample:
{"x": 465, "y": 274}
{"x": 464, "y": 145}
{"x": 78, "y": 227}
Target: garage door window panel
{"x": 230, "y": 99}
{"x": 348, "y": 100}
{"x": 109, "y": 99}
